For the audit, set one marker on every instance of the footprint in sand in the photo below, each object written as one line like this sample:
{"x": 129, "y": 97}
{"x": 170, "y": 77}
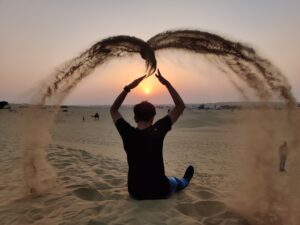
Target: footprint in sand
{"x": 202, "y": 208}
{"x": 211, "y": 213}
{"x": 206, "y": 195}
{"x": 88, "y": 194}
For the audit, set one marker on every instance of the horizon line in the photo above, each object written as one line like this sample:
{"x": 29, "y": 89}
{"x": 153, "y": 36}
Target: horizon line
{"x": 158, "y": 104}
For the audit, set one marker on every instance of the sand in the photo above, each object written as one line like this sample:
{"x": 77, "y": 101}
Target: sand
{"x": 91, "y": 169}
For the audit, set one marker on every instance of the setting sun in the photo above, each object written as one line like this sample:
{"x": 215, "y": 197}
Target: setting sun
{"x": 148, "y": 86}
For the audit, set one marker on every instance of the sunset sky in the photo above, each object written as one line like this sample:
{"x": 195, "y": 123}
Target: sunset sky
{"x": 39, "y": 35}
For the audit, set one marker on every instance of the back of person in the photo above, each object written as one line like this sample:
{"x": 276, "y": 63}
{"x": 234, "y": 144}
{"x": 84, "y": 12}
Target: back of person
{"x": 144, "y": 149}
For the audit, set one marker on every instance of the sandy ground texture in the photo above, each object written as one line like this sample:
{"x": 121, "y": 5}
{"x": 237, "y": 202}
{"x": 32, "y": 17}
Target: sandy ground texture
{"x": 91, "y": 171}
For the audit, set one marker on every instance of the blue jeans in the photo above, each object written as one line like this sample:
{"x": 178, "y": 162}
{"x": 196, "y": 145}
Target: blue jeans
{"x": 177, "y": 184}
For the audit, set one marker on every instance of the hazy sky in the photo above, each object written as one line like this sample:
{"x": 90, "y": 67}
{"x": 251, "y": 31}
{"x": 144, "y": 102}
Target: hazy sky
{"x": 38, "y": 35}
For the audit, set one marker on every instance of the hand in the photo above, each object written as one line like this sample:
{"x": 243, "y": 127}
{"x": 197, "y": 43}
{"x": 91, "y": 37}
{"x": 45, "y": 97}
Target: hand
{"x": 135, "y": 83}
{"x": 161, "y": 78}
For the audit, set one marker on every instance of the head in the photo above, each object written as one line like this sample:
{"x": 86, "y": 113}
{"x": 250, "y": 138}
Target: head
{"x": 144, "y": 112}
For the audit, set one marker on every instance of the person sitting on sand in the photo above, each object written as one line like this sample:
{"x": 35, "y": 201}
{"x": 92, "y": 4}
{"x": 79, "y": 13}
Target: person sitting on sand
{"x": 283, "y": 151}
{"x": 144, "y": 145}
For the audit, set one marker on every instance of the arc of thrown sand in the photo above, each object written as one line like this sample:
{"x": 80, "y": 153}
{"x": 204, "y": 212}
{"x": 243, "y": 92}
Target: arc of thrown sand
{"x": 56, "y": 89}
{"x": 72, "y": 72}
{"x": 258, "y": 73}
{"x": 241, "y": 59}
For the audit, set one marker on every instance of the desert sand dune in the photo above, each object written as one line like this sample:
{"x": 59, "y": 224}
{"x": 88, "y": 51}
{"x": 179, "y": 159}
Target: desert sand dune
{"x": 91, "y": 168}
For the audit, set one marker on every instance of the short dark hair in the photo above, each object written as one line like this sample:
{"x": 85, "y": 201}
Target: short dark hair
{"x": 144, "y": 111}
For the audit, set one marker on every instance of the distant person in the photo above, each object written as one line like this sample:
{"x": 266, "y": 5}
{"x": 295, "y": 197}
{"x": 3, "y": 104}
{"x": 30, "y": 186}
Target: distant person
{"x": 83, "y": 119}
{"x": 96, "y": 116}
{"x": 283, "y": 152}
{"x": 144, "y": 145}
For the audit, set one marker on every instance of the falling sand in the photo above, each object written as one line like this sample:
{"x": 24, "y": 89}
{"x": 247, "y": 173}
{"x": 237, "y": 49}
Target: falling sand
{"x": 264, "y": 197}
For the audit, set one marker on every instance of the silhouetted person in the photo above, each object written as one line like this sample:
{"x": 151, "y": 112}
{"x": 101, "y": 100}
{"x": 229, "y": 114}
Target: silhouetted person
{"x": 96, "y": 116}
{"x": 144, "y": 145}
{"x": 283, "y": 152}
{"x": 83, "y": 119}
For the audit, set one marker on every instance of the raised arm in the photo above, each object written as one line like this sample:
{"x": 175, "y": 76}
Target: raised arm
{"x": 114, "y": 109}
{"x": 179, "y": 104}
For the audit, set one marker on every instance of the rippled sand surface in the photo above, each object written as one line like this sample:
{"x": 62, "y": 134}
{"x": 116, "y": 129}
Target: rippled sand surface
{"x": 91, "y": 172}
